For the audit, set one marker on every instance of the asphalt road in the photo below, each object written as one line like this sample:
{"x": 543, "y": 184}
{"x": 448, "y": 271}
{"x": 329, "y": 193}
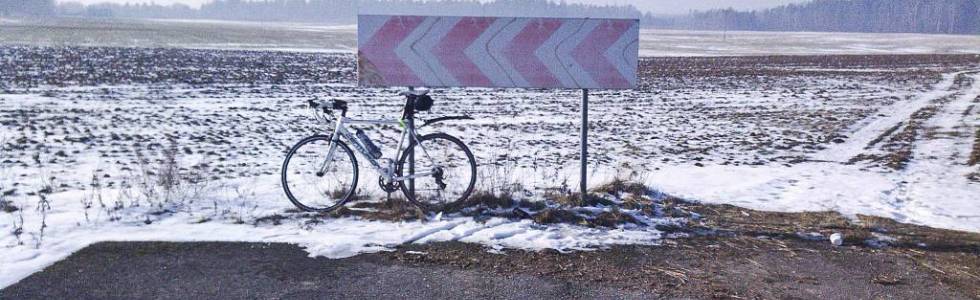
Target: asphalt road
{"x": 272, "y": 271}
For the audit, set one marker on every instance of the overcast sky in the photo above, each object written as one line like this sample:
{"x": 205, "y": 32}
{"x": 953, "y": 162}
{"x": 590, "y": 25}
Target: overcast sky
{"x": 654, "y": 6}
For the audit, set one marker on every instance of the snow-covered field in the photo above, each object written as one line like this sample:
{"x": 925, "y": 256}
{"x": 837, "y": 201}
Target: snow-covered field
{"x": 85, "y": 153}
{"x": 207, "y": 34}
{"x": 742, "y": 43}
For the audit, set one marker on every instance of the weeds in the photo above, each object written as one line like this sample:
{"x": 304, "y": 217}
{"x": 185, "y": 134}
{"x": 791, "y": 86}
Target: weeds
{"x": 96, "y": 194}
{"x": 618, "y": 187}
{"x": 576, "y": 200}
{"x": 555, "y": 216}
{"x": 242, "y": 194}
{"x": 165, "y": 184}
{"x": 613, "y": 218}
{"x": 43, "y": 206}
{"x": 6, "y": 205}
{"x": 18, "y": 226}
{"x": 168, "y": 171}
{"x": 497, "y": 178}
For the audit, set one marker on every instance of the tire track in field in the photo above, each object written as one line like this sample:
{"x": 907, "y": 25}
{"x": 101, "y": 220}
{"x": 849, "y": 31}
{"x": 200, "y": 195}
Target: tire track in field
{"x": 871, "y": 132}
{"x": 932, "y": 188}
{"x": 940, "y": 163}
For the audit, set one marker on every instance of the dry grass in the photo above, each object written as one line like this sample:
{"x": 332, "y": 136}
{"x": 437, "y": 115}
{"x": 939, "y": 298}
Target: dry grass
{"x": 864, "y": 232}
{"x": 483, "y": 199}
{"x": 576, "y": 200}
{"x": 396, "y": 209}
{"x": 613, "y": 218}
{"x": 558, "y": 208}
{"x": 619, "y": 187}
{"x": 555, "y": 216}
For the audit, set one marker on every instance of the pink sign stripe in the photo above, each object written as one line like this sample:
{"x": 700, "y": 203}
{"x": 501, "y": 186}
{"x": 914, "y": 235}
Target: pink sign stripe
{"x": 591, "y": 53}
{"x": 380, "y": 50}
{"x": 475, "y": 51}
{"x": 521, "y": 52}
{"x": 451, "y": 51}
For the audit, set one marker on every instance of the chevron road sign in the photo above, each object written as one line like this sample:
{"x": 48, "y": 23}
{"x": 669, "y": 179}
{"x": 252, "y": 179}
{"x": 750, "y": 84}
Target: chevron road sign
{"x": 433, "y": 51}
{"x": 503, "y": 52}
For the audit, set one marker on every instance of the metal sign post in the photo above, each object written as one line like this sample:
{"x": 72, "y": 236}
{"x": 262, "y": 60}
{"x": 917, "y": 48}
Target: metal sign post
{"x": 411, "y": 152}
{"x": 585, "y": 142}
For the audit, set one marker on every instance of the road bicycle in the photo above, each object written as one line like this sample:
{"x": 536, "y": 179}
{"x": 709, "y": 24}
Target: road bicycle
{"x": 433, "y": 171}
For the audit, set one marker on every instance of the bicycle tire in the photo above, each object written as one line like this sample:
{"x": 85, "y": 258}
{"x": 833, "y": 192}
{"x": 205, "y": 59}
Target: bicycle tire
{"x": 471, "y": 183}
{"x": 285, "y": 174}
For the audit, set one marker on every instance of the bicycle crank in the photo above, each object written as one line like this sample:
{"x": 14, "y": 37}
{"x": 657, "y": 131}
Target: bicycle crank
{"x": 388, "y": 187}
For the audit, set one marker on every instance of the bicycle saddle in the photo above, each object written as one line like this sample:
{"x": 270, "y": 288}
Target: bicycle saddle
{"x": 419, "y": 92}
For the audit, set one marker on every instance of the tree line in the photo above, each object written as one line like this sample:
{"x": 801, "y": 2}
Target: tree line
{"x": 30, "y": 8}
{"x": 921, "y": 16}
{"x": 345, "y": 11}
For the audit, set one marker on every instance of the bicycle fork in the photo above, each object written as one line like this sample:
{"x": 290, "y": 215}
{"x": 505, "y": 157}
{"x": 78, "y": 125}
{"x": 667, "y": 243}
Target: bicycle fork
{"x": 328, "y": 159}
{"x": 334, "y": 138}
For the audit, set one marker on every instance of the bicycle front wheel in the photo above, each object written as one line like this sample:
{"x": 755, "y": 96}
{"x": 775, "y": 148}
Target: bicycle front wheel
{"x": 447, "y": 172}
{"x": 314, "y": 183}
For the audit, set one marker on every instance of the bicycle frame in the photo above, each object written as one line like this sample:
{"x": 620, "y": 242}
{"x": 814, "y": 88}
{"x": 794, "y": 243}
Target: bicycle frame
{"x": 341, "y": 131}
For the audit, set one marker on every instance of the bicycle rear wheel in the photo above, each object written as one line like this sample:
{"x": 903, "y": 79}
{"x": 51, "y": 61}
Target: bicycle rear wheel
{"x": 309, "y": 185}
{"x": 453, "y": 168}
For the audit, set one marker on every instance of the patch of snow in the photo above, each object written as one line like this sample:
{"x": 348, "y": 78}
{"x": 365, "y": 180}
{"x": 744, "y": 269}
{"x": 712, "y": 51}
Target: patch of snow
{"x": 69, "y": 230}
{"x": 933, "y": 190}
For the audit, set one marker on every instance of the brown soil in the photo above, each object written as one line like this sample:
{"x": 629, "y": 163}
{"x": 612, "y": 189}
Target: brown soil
{"x": 791, "y": 65}
{"x": 741, "y": 253}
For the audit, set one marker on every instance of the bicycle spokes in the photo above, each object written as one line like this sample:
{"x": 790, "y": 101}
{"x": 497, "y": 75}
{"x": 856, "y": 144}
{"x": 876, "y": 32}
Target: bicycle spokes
{"x": 448, "y": 171}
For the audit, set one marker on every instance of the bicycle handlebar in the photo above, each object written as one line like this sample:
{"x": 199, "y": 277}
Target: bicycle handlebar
{"x": 328, "y": 109}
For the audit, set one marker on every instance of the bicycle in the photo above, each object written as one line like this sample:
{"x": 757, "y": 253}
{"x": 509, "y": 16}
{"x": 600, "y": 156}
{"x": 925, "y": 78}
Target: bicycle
{"x": 320, "y": 173}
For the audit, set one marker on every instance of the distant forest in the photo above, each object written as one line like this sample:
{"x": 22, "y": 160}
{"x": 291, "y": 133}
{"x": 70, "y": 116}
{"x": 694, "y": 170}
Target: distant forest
{"x": 344, "y": 11}
{"x": 922, "y": 16}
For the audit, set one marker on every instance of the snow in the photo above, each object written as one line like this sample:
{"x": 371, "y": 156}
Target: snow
{"x": 746, "y": 43}
{"x": 933, "y": 190}
{"x": 69, "y": 230}
{"x": 864, "y": 132}
{"x": 731, "y": 142}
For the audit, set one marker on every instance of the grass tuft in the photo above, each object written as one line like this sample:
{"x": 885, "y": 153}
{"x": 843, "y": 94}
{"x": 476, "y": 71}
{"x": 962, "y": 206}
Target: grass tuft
{"x": 619, "y": 187}
{"x": 575, "y": 200}
{"x": 613, "y": 218}
{"x": 555, "y": 216}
